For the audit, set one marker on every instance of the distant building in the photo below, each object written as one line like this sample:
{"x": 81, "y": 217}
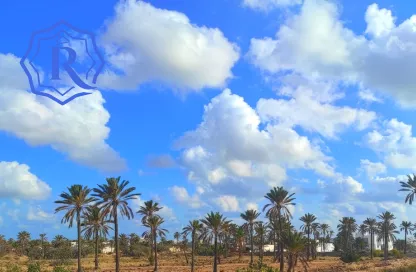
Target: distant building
{"x": 376, "y": 245}
{"x": 174, "y": 249}
{"x": 327, "y": 247}
{"x": 107, "y": 248}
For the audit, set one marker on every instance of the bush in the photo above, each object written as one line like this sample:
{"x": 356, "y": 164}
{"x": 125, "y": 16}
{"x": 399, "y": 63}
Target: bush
{"x": 396, "y": 253}
{"x": 378, "y": 253}
{"x": 33, "y": 267}
{"x": 60, "y": 269}
{"x": 13, "y": 268}
{"x": 350, "y": 257}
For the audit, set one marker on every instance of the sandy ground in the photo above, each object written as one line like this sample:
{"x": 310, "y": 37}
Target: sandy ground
{"x": 176, "y": 262}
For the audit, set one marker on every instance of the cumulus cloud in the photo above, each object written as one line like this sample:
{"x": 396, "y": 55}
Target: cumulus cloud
{"x": 378, "y": 62}
{"x": 77, "y": 129}
{"x": 144, "y": 43}
{"x": 372, "y": 169}
{"x": 37, "y": 214}
{"x": 16, "y": 181}
{"x": 267, "y": 5}
{"x": 182, "y": 196}
{"x": 228, "y": 203}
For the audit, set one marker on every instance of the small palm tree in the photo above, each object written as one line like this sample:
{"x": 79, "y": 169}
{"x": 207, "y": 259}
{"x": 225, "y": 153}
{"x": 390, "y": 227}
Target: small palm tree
{"x": 176, "y": 236}
{"x": 112, "y": 198}
{"x": 23, "y": 239}
{"x": 307, "y": 220}
{"x": 387, "y": 230}
{"x": 194, "y": 228}
{"x": 154, "y": 224}
{"x": 75, "y": 202}
{"x": 407, "y": 227}
{"x": 260, "y": 229}
{"x": 43, "y": 239}
{"x": 324, "y": 230}
{"x": 239, "y": 236}
{"x": 280, "y": 200}
{"x": 347, "y": 226}
{"x": 295, "y": 245}
{"x": 213, "y": 223}
{"x": 409, "y": 186}
{"x": 371, "y": 227}
{"x": 95, "y": 225}
{"x": 250, "y": 217}
{"x": 149, "y": 208}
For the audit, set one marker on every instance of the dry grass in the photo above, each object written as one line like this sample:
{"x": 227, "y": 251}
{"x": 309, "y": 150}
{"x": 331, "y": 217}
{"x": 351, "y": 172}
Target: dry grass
{"x": 176, "y": 262}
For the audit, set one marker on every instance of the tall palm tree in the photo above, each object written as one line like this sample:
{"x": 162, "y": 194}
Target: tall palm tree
{"x": 213, "y": 224}
{"x": 194, "y": 228}
{"x": 371, "y": 227}
{"x": 154, "y": 224}
{"x": 347, "y": 227}
{"x": 280, "y": 200}
{"x": 149, "y": 208}
{"x": 407, "y": 227}
{"x": 113, "y": 198}
{"x": 250, "y": 217}
{"x": 75, "y": 202}
{"x": 386, "y": 227}
{"x": 324, "y": 230}
{"x": 315, "y": 227}
{"x": 43, "y": 239}
{"x": 95, "y": 225}
{"x": 409, "y": 186}
{"x": 239, "y": 236}
{"x": 307, "y": 220}
{"x": 260, "y": 229}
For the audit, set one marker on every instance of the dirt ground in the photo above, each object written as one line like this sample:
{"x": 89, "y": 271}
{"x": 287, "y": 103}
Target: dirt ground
{"x": 177, "y": 263}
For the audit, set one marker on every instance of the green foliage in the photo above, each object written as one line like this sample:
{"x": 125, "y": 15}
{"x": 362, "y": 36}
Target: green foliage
{"x": 378, "y": 253}
{"x": 60, "y": 269}
{"x": 34, "y": 267}
{"x": 410, "y": 268}
{"x": 151, "y": 259}
{"x": 396, "y": 253}
{"x": 13, "y": 268}
{"x": 350, "y": 257}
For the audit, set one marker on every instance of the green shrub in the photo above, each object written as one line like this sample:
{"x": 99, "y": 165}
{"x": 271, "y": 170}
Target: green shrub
{"x": 396, "y": 253}
{"x": 33, "y": 267}
{"x": 13, "y": 268}
{"x": 350, "y": 257}
{"x": 60, "y": 269}
{"x": 378, "y": 253}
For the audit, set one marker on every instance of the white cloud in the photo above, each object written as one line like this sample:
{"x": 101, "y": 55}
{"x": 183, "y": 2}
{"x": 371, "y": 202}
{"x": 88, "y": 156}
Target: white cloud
{"x": 252, "y": 206}
{"x": 182, "y": 196}
{"x": 77, "y": 129}
{"x": 395, "y": 142}
{"x": 372, "y": 169}
{"x": 228, "y": 203}
{"x": 168, "y": 214}
{"x": 267, "y": 5}
{"x": 16, "y": 181}
{"x": 151, "y": 44}
{"x": 37, "y": 214}
{"x": 13, "y": 214}
{"x": 369, "y": 96}
{"x": 315, "y": 43}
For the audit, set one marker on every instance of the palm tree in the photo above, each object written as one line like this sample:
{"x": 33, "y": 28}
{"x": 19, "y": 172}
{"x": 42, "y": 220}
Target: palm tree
{"x": 213, "y": 224}
{"x": 176, "y": 236}
{"x": 347, "y": 227}
{"x": 260, "y": 229}
{"x": 371, "y": 227}
{"x": 239, "y": 236}
{"x": 149, "y": 208}
{"x": 407, "y": 227}
{"x": 23, "y": 239}
{"x": 409, "y": 186}
{"x": 315, "y": 227}
{"x": 280, "y": 200}
{"x": 43, "y": 239}
{"x": 113, "y": 198}
{"x": 324, "y": 230}
{"x": 387, "y": 228}
{"x": 95, "y": 225}
{"x": 295, "y": 245}
{"x": 250, "y": 217}
{"x": 307, "y": 220}
{"x": 154, "y": 224}
{"x": 75, "y": 202}
{"x": 194, "y": 228}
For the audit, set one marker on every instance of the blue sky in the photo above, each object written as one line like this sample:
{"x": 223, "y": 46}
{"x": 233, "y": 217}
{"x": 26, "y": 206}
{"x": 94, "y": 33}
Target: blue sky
{"x": 211, "y": 104}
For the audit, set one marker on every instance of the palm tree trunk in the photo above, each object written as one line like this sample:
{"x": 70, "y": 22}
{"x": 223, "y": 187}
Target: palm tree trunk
{"x": 116, "y": 242}
{"x": 372, "y": 243}
{"x": 281, "y": 244}
{"x": 386, "y": 246}
{"x": 193, "y": 253}
{"x": 79, "y": 239}
{"x": 252, "y": 244}
{"x": 155, "y": 248}
{"x": 308, "y": 253}
{"x": 405, "y": 240}
{"x": 275, "y": 246}
{"x": 96, "y": 249}
{"x": 215, "y": 253}
{"x": 261, "y": 248}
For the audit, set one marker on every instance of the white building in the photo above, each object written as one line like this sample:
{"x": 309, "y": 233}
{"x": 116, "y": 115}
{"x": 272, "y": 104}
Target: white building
{"x": 327, "y": 247}
{"x": 376, "y": 245}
